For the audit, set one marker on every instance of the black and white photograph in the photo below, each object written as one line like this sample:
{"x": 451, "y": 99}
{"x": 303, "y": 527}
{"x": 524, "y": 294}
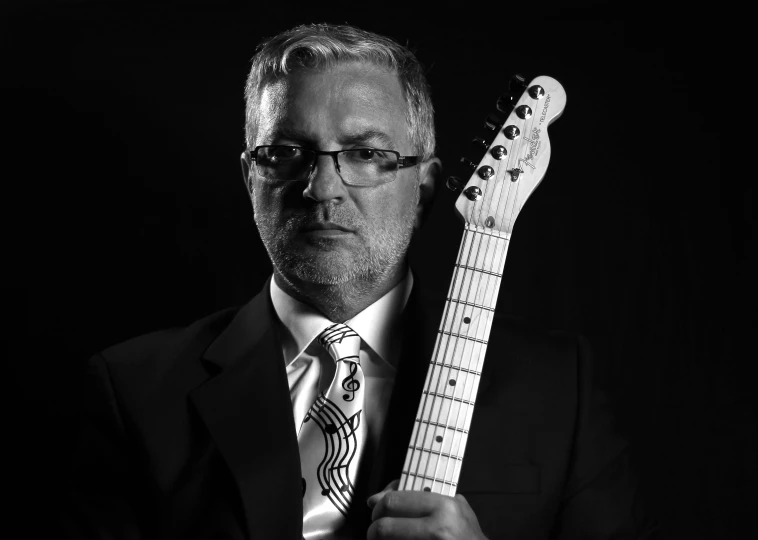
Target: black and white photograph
{"x": 375, "y": 271}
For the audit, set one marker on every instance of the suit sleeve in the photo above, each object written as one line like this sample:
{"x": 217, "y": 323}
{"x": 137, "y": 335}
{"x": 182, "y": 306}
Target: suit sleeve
{"x": 602, "y": 499}
{"x": 102, "y": 495}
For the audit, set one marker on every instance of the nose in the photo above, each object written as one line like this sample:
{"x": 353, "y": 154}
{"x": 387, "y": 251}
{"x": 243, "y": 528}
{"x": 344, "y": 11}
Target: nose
{"x": 325, "y": 182}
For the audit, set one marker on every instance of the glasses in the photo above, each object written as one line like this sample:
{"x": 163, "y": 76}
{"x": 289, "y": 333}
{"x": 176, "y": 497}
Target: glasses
{"x": 356, "y": 166}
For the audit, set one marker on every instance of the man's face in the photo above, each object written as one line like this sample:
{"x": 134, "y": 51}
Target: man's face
{"x": 320, "y": 230}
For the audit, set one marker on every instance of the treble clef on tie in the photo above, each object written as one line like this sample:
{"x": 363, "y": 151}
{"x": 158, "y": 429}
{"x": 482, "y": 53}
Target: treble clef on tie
{"x": 350, "y": 384}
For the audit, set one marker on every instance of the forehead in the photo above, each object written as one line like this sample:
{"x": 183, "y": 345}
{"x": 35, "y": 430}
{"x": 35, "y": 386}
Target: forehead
{"x": 325, "y": 105}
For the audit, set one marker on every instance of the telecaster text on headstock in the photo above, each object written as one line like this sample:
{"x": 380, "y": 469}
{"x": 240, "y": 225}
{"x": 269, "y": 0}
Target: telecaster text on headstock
{"x": 545, "y": 107}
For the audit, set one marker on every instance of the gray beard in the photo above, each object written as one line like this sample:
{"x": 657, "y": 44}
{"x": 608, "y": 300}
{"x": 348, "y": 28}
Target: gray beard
{"x": 385, "y": 250}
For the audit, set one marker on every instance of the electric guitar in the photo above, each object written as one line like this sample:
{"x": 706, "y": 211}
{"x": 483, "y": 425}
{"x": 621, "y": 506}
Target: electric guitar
{"x": 489, "y": 203}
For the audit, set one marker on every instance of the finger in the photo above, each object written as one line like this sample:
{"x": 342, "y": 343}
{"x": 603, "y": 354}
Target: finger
{"x": 392, "y": 528}
{"x": 392, "y": 486}
{"x": 407, "y": 504}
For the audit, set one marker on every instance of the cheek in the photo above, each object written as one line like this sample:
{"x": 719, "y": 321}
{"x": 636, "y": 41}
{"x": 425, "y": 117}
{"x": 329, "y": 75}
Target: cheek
{"x": 268, "y": 199}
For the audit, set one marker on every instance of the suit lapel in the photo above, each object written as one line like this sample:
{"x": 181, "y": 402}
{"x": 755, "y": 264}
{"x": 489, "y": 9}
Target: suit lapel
{"x": 248, "y": 412}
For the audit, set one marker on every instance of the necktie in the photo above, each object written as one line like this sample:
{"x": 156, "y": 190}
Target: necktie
{"x": 332, "y": 438}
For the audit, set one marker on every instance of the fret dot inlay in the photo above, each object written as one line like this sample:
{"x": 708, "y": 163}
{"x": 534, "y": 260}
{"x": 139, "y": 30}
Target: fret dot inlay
{"x": 438, "y": 438}
{"x": 427, "y": 488}
{"x": 467, "y": 319}
{"x": 451, "y": 382}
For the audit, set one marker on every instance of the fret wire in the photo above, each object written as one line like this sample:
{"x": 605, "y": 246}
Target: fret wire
{"x": 479, "y": 270}
{"x": 430, "y": 478}
{"x": 475, "y": 246}
{"x": 476, "y": 231}
{"x": 453, "y": 366}
{"x": 450, "y": 299}
{"x": 460, "y": 400}
{"x": 461, "y": 430}
{"x": 442, "y": 454}
{"x": 472, "y": 249}
{"x": 453, "y": 334}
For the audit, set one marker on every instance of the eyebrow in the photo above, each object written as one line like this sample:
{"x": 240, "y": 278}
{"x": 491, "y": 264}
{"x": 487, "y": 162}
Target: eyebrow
{"x": 368, "y": 137}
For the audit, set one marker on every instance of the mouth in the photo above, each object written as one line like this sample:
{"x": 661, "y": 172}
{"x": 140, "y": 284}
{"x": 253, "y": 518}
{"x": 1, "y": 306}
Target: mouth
{"x": 324, "y": 228}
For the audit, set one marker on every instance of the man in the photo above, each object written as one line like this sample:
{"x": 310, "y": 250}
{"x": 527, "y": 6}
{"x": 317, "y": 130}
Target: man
{"x": 222, "y": 429}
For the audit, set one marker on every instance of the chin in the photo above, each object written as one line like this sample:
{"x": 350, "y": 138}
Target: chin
{"x": 333, "y": 269}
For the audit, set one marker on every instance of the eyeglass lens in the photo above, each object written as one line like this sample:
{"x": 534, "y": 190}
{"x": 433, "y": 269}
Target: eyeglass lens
{"x": 359, "y": 166}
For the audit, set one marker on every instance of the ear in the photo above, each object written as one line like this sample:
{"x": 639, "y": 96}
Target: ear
{"x": 246, "y": 177}
{"x": 430, "y": 172}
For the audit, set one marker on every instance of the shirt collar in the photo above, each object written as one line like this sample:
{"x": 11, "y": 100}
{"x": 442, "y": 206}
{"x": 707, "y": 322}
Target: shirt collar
{"x": 375, "y": 324}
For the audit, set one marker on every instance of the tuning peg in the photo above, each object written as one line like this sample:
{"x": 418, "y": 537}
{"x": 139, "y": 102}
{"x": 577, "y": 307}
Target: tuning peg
{"x": 517, "y": 84}
{"x": 468, "y": 163}
{"x": 492, "y": 122}
{"x": 481, "y": 143}
{"x": 454, "y": 184}
{"x": 505, "y": 103}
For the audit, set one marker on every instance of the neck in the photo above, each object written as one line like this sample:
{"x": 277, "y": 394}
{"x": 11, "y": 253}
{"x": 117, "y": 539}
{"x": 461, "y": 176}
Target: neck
{"x": 342, "y": 301}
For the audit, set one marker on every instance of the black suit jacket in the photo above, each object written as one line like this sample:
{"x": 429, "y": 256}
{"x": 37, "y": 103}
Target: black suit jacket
{"x": 189, "y": 433}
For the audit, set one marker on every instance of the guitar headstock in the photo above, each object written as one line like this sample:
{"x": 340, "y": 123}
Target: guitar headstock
{"x": 515, "y": 161}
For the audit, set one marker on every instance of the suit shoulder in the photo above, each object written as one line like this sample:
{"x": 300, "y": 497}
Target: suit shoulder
{"x": 529, "y": 334}
{"x": 167, "y": 343}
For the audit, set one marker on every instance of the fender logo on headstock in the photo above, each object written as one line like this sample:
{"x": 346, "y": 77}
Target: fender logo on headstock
{"x": 534, "y": 148}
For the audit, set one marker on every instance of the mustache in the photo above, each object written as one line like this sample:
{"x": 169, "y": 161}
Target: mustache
{"x": 322, "y": 214}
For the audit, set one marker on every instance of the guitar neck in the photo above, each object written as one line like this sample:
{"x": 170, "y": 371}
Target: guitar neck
{"x": 438, "y": 442}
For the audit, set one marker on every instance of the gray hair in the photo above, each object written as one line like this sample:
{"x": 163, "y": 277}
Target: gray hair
{"x": 323, "y": 46}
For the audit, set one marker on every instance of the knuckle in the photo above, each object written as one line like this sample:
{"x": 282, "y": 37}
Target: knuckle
{"x": 390, "y": 502}
{"x": 379, "y": 530}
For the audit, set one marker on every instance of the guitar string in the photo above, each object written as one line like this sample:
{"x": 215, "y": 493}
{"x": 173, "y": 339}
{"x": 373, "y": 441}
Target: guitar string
{"x": 425, "y": 398}
{"x": 484, "y": 282}
{"x": 436, "y": 397}
{"x": 474, "y": 244}
{"x": 469, "y": 240}
{"x": 489, "y": 279}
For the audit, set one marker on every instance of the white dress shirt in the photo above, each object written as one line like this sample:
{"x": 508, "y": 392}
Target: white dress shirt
{"x": 310, "y": 369}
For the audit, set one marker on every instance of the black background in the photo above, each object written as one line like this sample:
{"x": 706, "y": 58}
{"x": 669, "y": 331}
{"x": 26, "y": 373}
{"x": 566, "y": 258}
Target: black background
{"x": 124, "y": 210}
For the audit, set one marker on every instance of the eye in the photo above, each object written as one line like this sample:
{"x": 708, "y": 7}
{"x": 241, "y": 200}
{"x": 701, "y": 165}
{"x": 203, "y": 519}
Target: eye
{"x": 366, "y": 154}
{"x": 284, "y": 152}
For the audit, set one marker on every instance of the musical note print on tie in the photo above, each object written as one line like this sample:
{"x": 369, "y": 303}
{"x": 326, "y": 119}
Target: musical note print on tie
{"x": 350, "y": 384}
{"x": 339, "y": 451}
{"x": 336, "y": 333}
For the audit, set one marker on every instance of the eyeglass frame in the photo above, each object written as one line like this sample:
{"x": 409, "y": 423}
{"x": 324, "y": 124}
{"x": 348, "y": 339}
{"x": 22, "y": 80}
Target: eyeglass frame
{"x": 402, "y": 161}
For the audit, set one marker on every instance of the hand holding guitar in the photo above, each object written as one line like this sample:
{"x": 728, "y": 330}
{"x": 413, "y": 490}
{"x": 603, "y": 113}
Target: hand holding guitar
{"x": 423, "y": 504}
{"x": 421, "y": 515}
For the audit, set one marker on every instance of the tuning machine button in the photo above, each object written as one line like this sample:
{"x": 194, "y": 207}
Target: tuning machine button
{"x": 499, "y": 152}
{"x": 486, "y": 172}
{"x": 473, "y": 193}
{"x": 481, "y": 143}
{"x": 468, "y": 163}
{"x": 454, "y": 184}
{"x": 492, "y": 122}
{"x": 523, "y": 111}
{"x": 505, "y": 103}
{"x": 536, "y": 91}
{"x": 512, "y": 132}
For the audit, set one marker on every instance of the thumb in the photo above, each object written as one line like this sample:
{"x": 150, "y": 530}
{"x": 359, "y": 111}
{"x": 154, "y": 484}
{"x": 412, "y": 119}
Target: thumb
{"x": 392, "y": 486}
